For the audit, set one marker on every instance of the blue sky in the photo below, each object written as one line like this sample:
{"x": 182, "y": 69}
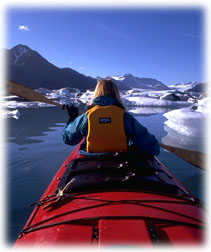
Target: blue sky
{"x": 165, "y": 44}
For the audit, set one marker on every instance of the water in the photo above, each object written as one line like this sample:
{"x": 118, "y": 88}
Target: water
{"x": 35, "y": 151}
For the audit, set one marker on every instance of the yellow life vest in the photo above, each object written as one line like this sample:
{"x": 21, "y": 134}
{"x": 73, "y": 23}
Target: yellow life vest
{"x": 106, "y": 129}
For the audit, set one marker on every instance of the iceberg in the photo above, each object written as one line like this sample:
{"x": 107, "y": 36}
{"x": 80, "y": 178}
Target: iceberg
{"x": 186, "y": 121}
{"x": 144, "y": 93}
{"x": 148, "y": 110}
{"x": 148, "y": 101}
{"x": 86, "y": 97}
{"x": 43, "y": 91}
{"x": 204, "y": 105}
{"x": 11, "y": 114}
{"x": 175, "y": 97}
{"x": 189, "y": 121}
{"x": 186, "y": 127}
{"x": 153, "y": 102}
{"x": 25, "y": 104}
{"x": 175, "y": 138}
{"x": 66, "y": 92}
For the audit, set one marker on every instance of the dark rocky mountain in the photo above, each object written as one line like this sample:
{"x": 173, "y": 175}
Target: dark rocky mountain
{"x": 28, "y": 67}
{"x": 119, "y": 83}
{"x": 199, "y": 88}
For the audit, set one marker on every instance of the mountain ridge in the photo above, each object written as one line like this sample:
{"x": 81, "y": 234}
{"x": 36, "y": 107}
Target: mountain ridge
{"x": 28, "y": 67}
{"x": 34, "y": 71}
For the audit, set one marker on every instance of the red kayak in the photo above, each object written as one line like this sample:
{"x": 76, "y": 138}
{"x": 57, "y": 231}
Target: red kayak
{"x": 111, "y": 200}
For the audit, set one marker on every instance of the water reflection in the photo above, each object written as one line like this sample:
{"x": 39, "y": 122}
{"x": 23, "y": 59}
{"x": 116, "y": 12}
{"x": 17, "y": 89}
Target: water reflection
{"x": 174, "y": 138}
{"x": 35, "y": 152}
{"x": 34, "y": 122}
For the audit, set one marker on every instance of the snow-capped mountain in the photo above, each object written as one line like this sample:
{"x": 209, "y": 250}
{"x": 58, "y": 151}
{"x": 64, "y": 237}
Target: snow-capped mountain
{"x": 118, "y": 78}
{"x": 183, "y": 86}
{"x": 18, "y": 52}
{"x": 28, "y": 67}
{"x": 131, "y": 81}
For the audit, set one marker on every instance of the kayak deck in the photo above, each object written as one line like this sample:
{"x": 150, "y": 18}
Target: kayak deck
{"x": 114, "y": 200}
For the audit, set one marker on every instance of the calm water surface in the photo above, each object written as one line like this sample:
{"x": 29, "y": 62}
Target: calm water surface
{"x": 35, "y": 151}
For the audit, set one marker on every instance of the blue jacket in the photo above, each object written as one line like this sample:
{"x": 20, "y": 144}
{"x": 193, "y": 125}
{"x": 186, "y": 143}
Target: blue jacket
{"x": 75, "y": 131}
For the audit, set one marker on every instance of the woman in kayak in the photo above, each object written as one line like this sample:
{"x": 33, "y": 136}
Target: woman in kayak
{"x": 106, "y": 127}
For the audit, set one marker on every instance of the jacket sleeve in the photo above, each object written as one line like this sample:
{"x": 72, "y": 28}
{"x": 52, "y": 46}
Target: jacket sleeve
{"x": 140, "y": 136}
{"x": 74, "y": 131}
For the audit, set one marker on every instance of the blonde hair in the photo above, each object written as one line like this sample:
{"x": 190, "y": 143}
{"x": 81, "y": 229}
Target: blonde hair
{"x": 106, "y": 87}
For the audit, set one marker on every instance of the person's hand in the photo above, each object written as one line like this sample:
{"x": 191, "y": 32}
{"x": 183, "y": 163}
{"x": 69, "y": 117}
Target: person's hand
{"x": 72, "y": 112}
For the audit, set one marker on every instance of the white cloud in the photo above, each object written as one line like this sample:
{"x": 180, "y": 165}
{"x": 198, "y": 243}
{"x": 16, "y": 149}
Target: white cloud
{"x": 189, "y": 35}
{"x": 23, "y": 28}
{"x": 114, "y": 33}
{"x": 81, "y": 68}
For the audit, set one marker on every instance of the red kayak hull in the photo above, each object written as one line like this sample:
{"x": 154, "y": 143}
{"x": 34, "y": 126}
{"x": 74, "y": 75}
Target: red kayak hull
{"x": 113, "y": 218}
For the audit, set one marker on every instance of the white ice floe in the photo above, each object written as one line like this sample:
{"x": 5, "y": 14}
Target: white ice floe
{"x": 204, "y": 105}
{"x": 188, "y": 121}
{"x": 43, "y": 91}
{"x": 153, "y": 102}
{"x": 144, "y": 93}
{"x": 22, "y": 104}
{"x": 133, "y": 97}
{"x": 157, "y": 101}
{"x": 175, "y": 97}
{"x": 11, "y": 114}
{"x": 185, "y": 121}
{"x": 86, "y": 97}
{"x": 148, "y": 110}
{"x": 66, "y": 92}
{"x": 175, "y": 138}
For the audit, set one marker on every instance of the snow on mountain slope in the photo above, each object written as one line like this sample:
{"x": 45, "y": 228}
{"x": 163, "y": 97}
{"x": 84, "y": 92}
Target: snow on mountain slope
{"x": 17, "y": 52}
{"x": 183, "y": 86}
{"x": 118, "y": 78}
{"x": 136, "y": 82}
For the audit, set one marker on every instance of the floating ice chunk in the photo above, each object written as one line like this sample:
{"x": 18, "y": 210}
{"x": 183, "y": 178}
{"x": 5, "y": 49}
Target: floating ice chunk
{"x": 174, "y": 138}
{"x": 67, "y": 92}
{"x": 186, "y": 121}
{"x": 204, "y": 105}
{"x": 86, "y": 97}
{"x": 144, "y": 93}
{"x": 41, "y": 104}
{"x": 10, "y": 97}
{"x": 153, "y": 102}
{"x": 175, "y": 97}
{"x": 11, "y": 114}
{"x": 34, "y": 104}
{"x": 169, "y": 97}
{"x": 43, "y": 91}
{"x": 16, "y": 104}
{"x": 148, "y": 110}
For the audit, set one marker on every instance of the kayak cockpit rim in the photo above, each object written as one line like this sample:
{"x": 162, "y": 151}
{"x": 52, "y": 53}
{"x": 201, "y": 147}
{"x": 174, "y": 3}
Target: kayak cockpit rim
{"x": 118, "y": 172}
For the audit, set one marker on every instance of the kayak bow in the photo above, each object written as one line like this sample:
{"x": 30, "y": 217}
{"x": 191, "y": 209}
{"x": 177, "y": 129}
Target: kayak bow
{"x": 114, "y": 199}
